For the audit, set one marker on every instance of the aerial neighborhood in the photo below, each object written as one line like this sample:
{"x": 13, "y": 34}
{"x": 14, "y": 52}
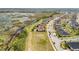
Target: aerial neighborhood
{"x": 39, "y": 30}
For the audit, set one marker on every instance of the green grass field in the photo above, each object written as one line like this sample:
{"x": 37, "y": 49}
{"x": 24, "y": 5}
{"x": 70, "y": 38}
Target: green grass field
{"x": 38, "y": 41}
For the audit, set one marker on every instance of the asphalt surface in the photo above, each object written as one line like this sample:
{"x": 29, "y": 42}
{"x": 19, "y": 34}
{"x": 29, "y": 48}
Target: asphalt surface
{"x": 50, "y": 30}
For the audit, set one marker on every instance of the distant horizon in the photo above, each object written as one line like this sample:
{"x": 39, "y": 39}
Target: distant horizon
{"x": 31, "y": 10}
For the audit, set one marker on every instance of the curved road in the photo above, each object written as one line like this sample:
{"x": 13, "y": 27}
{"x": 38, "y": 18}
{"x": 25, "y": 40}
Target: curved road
{"x": 55, "y": 41}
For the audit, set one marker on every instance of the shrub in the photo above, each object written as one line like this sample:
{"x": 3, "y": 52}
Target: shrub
{"x": 18, "y": 44}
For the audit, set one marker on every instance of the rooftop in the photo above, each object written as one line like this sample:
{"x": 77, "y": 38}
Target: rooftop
{"x": 73, "y": 45}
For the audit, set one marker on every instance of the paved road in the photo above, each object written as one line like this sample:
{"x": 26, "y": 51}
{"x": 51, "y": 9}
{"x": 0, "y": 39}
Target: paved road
{"x": 52, "y": 36}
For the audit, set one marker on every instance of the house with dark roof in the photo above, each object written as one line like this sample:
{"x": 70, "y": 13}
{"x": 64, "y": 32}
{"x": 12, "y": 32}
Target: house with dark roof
{"x": 74, "y": 46}
{"x": 74, "y": 24}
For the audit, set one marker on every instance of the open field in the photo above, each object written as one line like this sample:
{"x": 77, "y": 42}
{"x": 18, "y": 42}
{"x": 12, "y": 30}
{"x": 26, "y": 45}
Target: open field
{"x": 38, "y": 41}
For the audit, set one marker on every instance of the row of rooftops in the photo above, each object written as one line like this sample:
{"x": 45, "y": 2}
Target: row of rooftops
{"x": 74, "y": 46}
{"x": 59, "y": 29}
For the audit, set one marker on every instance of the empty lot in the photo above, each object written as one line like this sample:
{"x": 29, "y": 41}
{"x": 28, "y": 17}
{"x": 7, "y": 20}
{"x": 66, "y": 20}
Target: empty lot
{"x": 38, "y": 41}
